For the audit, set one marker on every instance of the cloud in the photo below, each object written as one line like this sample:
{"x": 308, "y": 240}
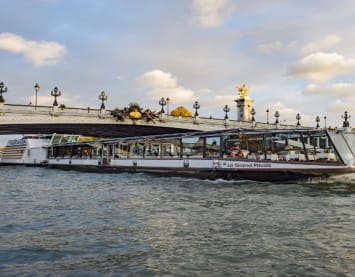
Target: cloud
{"x": 163, "y": 84}
{"x": 321, "y": 67}
{"x": 339, "y": 107}
{"x": 47, "y": 100}
{"x": 211, "y": 13}
{"x": 268, "y": 48}
{"x": 335, "y": 90}
{"x": 121, "y": 77}
{"x": 325, "y": 44}
{"x": 39, "y": 53}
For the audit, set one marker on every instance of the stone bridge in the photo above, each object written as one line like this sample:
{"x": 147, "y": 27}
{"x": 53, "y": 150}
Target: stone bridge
{"x": 28, "y": 119}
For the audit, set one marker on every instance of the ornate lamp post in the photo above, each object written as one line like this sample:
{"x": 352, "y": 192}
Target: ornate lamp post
{"x": 196, "y": 106}
{"x": 346, "y": 116}
{"x": 3, "y": 89}
{"x": 317, "y": 120}
{"x": 226, "y": 109}
{"x": 267, "y": 116}
{"x": 102, "y": 98}
{"x": 37, "y": 87}
{"x": 325, "y": 122}
{"x": 277, "y": 115}
{"x": 253, "y": 112}
{"x": 55, "y": 93}
{"x": 162, "y": 103}
{"x": 298, "y": 117}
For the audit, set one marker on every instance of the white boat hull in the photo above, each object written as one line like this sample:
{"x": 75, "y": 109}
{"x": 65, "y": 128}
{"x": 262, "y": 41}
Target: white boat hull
{"x": 208, "y": 168}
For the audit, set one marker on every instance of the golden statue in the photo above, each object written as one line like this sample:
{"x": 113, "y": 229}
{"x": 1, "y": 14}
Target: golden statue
{"x": 243, "y": 91}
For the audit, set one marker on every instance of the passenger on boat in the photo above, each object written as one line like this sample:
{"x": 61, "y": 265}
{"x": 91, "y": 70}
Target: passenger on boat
{"x": 235, "y": 152}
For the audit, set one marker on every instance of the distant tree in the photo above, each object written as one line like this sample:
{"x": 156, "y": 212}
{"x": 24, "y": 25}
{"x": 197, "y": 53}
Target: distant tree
{"x": 181, "y": 111}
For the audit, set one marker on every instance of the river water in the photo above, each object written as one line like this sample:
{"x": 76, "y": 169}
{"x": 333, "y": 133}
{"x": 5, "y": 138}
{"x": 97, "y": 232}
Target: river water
{"x": 68, "y": 223}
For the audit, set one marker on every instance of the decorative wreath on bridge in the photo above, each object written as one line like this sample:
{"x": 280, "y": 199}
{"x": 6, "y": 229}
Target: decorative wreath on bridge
{"x": 134, "y": 112}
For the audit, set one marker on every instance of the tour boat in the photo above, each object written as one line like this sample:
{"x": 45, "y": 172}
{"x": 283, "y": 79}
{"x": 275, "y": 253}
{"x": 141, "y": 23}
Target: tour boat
{"x": 255, "y": 154}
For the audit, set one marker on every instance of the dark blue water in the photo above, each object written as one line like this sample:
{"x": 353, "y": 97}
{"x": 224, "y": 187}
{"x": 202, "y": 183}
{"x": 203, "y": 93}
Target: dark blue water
{"x": 67, "y": 223}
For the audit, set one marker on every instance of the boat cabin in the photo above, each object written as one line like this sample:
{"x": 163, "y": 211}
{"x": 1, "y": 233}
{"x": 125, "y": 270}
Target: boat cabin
{"x": 299, "y": 145}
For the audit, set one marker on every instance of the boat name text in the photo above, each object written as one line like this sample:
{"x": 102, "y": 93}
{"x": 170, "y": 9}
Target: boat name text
{"x": 246, "y": 165}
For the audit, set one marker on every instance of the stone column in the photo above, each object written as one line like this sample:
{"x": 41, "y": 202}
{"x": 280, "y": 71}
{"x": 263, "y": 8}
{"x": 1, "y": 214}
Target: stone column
{"x": 244, "y": 104}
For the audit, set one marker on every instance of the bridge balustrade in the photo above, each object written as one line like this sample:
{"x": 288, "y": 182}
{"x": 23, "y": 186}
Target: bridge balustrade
{"x": 11, "y": 113}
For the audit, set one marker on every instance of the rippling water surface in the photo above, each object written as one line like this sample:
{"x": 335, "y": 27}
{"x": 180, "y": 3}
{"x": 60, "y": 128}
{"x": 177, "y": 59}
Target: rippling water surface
{"x": 71, "y": 223}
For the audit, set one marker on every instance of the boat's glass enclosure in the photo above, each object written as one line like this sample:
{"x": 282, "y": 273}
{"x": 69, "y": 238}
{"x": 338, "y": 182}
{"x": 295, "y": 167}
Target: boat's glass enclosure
{"x": 151, "y": 149}
{"x": 60, "y": 138}
{"x": 262, "y": 145}
{"x": 283, "y": 146}
{"x": 75, "y": 151}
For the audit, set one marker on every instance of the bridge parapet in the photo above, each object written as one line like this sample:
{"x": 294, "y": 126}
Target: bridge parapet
{"x": 29, "y": 114}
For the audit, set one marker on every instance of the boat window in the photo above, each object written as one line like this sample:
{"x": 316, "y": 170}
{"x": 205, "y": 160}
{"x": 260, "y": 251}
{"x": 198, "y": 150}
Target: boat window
{"x": 56, "y": 139}
{"x": 253, "y": 146}
{"x": 171, "y": 149}
{"x": 137, "y": 150}
{"x": 193, "y": 147}
{"x": 248, "y": 146}
{"x": 86, "y": 152}
{"x": 233, "y": 146}
{"x": 319, "y": 148}
{"x": 95, "y": 151}
{"x": 76, "y": 152}
{"x": 213, "y": 146}
{"x": 284, "y": 147}
{"x": 123, "y": 150}
{"x": 152, "y": 149}
{"x": 116, "y": 151}
{"x": 73, "y": 139}
{"x": 62, "y": 152}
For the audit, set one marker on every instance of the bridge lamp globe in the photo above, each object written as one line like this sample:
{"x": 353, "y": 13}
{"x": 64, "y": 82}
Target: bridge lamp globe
{"x": 196, "y": 106}
{"x": 346, "y": 116}
{"x": 226, "y": 109}
{"x": 298, "y": 118}
{"x": 162, "y": 103}
{"x": 277, "y": 115}
{"x": 37, "y": 87}
{"x": 55, "y": 93}
{"x": 317, "y": 120}
{"x": 3, "y": 89}
{"x": 103, "y": 98}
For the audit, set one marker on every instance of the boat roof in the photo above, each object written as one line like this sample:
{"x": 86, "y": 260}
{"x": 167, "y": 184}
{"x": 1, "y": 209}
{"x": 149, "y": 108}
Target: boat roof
{"x": 224, "y": 132}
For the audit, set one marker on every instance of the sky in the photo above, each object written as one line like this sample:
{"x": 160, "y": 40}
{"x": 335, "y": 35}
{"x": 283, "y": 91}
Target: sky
{"x": 294, "y": 56}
